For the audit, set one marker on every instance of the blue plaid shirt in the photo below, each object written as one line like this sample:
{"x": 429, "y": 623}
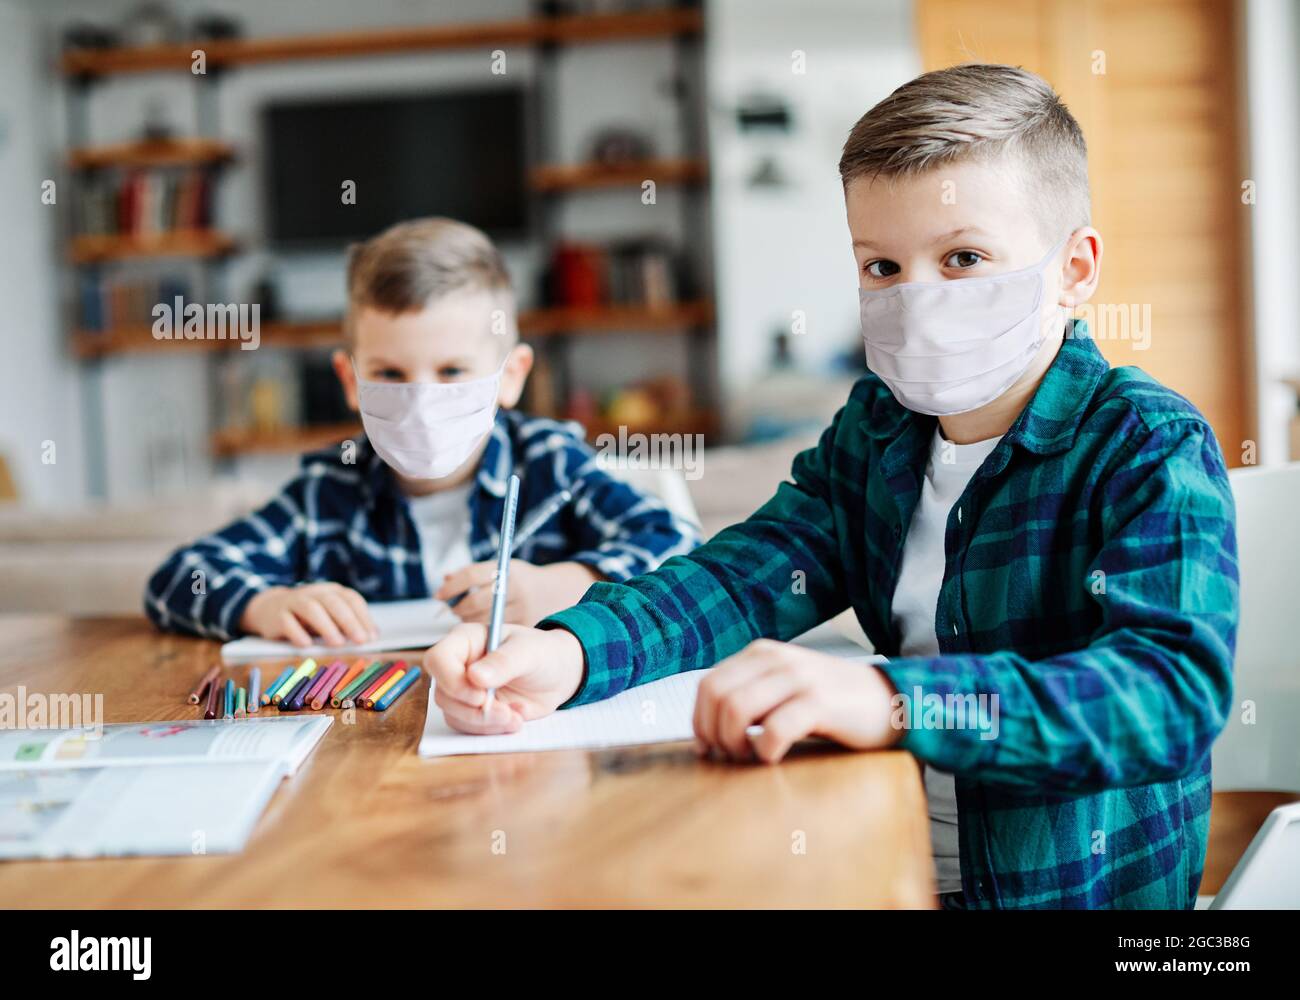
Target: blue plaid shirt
{"x": 348, "y": 522}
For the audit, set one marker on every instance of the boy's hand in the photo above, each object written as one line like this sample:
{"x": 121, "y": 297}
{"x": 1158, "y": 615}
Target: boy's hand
{"x": 329, "y": 610}
{"x": 792, "y": 693}
{"x": 535, "y": 591}
{"x": 534, "y": 673}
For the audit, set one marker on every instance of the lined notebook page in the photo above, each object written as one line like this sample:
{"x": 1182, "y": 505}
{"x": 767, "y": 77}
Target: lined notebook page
{"x": 658, "y": 712}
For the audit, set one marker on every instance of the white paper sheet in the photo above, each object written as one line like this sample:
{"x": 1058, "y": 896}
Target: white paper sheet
{"x": 401, "y": 624}
{"x": 659, "y": 712}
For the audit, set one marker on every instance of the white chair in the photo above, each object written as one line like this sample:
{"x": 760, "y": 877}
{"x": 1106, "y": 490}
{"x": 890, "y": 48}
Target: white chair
{"x": 1259, "y": 750}
{"x": 1268, "y": 875}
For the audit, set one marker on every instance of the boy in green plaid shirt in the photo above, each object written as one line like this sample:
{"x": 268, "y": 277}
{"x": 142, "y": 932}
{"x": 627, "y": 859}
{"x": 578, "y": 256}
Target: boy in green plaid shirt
{"x": 1041, "y": 544}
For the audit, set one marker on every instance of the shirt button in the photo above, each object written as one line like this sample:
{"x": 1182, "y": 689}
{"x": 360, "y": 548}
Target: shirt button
{"x": 954, "y": 628}
{"x": 959, "y": 515}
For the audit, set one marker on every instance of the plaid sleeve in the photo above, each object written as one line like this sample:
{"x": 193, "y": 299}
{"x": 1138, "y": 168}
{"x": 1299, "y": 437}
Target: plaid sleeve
{"x": 617, "y": 530}
{"x": 774, "y": 575}
{"x": 203, "y": 588}
{"x": 1144, "y": 700}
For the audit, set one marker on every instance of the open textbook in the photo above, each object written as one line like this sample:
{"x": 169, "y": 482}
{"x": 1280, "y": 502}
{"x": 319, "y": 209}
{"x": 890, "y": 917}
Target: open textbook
{"x": 401, "y": 624}
{"x": 183, "y": 787}
{"x": 659, "y": 712}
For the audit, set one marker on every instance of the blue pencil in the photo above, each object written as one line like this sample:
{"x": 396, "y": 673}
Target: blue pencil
{"x": 396, "y": 690}
{"x": 269, "y": 693}
{"x": 254, "y": 689}
{"x": 229, "y": 705}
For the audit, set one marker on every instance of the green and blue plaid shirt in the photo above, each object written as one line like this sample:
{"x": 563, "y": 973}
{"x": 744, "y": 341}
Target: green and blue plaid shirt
{"x": 1090, "y": 588}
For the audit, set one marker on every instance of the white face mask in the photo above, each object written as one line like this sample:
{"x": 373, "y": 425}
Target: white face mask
{"x": 946, "y": 347}
{"x": 427, "y": 430}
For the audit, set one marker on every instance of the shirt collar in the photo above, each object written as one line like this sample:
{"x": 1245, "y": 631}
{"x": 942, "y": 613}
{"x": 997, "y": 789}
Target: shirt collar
{"x": 498, "y": 461}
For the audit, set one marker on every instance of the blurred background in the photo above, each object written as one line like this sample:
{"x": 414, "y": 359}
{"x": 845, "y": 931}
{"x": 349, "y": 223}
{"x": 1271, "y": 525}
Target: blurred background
{"x": 660, "y": 176}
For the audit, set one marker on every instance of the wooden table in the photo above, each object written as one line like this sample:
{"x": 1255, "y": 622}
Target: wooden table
{"x": 368, "y": 823}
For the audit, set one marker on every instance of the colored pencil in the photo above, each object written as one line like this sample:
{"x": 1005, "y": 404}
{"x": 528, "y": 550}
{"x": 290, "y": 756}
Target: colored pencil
{"x": 241, "y": 703}
{"x": 348, "y": 676}
{"x": 254, "y": 689}
{"x": 228, "y": 706}
{"x": 348, "y": 696}
{"x": 201, "y": 690}
{"x": 320, "y": 678}
{"x": 210, "y": 709}
{"x": 378, "y": 682}
{"x": 382, "y": 690}
{"x": 270, "y": 691}
{"x": 397, "y": 690}
{"x": 322, "y": 694}
{"x": 304, "y": 669}
{"x": 286, "y": 698}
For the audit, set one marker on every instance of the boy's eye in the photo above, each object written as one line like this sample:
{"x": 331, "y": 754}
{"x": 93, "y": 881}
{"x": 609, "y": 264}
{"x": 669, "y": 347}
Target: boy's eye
{"x": 449, "y": 373}
{"x": 390, "y": 375}
{"x": 882, "y": 268}
{"x": 962, "y": 259}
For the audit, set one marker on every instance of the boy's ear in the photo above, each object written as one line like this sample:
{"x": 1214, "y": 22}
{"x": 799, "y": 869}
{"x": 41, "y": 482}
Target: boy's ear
{"x": 347, "y": 378}
{"x": 1082, "y": 269}
{"x": 519, "y": 362}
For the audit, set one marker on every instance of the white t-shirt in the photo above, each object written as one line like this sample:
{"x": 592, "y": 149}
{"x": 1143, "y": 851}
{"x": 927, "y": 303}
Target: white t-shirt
{"x": 442, "y": 520}
{"x": 916, "y": 602}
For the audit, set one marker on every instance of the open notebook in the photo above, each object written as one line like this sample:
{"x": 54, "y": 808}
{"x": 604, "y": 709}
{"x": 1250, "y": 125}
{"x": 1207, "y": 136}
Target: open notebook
{"x": 659, "y": 712}
{"x": 401, "y": 624}
{"x": 183, "y": 787}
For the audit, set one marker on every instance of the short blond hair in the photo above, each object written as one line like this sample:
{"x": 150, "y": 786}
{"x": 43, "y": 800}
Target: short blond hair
{"x": 979, "y": 111}
{"x": 413, "y": 264}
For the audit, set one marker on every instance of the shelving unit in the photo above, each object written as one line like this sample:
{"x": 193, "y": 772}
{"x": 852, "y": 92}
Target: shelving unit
{"x": 552, "y": 329}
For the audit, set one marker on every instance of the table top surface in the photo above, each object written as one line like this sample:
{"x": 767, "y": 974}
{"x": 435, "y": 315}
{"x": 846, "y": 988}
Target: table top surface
{"x": 367, "y": 822}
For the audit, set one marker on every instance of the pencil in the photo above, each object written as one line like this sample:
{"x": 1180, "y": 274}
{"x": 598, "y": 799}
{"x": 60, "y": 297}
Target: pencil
{"x": 501, "y": 585}
{"x": 377, "y": 683}
{"x": 291, "y": 702}
{"x": 241, "y": 703}
{"x": 346, "y": 678}
{"x": 397, "y": 690}
{"x": 228, "y": 707}
{"x": 323, "y": 689}
{"x": 254, "y": 689}
{"x": 270, "y": 691}
{"x": 348, "y": 696}
{"x": 382, "y": 690}
{"x": 201, "y": 690}
{"x": 321, "y": 679}
{"x": 210, "y": 709}
{"x": 304, "y": 668}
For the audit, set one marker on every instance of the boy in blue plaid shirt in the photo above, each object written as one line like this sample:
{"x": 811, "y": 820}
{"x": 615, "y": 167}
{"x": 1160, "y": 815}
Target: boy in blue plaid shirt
{"x": 413, "y": 509}
{"x": 1041, "y": 544}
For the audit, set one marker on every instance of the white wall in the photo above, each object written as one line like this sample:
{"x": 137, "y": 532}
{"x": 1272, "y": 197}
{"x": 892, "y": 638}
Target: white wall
{"x": 787, "y": 249}
{"x": 1273, "y": 103}
{"x": 39, "y": 398}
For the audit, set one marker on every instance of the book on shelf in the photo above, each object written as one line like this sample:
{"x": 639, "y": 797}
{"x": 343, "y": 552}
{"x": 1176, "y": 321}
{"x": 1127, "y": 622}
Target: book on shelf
{"x": 143, "y": 202}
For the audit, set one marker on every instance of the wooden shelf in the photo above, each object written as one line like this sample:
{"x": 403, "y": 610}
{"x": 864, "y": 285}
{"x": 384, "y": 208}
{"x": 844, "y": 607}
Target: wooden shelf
{"x": 589, "y": 320}
{"x": 152, "y": 153}
{"x": 590, "y": 176}
{"x": 171, "y": 243}
{"x": 140, "y": 340}
{"x": 231, "y": 442}
{"x": 574, "y": 30}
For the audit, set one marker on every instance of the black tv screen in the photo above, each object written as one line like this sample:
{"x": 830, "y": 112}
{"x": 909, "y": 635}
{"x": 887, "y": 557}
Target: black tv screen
{"x": 455, "y": 153}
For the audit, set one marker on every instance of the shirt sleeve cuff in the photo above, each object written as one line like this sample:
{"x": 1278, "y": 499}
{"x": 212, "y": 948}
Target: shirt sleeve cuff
{"x": 606, "y": 650}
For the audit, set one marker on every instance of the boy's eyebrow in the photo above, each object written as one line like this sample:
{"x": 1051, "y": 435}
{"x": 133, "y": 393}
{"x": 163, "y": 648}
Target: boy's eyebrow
{"x": 942, "y": 238}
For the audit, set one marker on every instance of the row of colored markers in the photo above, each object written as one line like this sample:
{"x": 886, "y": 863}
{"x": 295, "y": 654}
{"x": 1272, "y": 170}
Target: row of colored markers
{"x": 308, "y": 685}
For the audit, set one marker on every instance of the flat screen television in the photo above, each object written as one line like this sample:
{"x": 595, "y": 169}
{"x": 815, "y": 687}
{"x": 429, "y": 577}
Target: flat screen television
{"x": 455, "y": 153}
